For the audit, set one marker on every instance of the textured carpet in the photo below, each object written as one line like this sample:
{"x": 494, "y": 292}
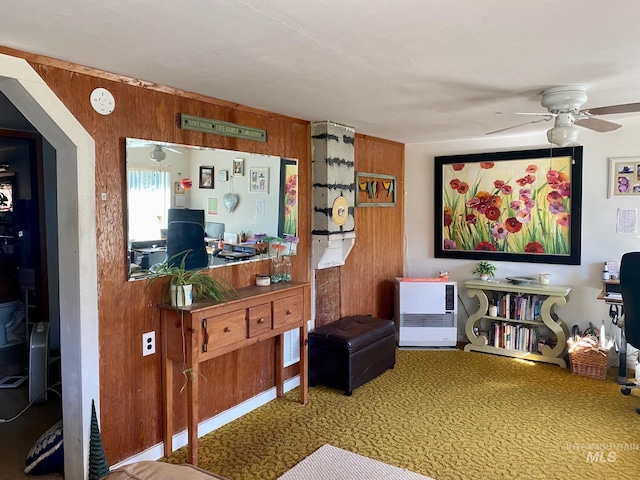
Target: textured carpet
{"x": 447, "y": 415}
{"x": 329, "y": 463}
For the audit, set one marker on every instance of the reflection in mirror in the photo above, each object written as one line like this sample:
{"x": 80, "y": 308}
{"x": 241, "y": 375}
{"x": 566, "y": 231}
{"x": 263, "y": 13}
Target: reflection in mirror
{"x": 236, "y": 198}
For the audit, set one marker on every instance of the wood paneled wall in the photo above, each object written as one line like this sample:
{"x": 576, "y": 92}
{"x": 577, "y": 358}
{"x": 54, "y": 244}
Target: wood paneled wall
{"x": 366, "y": 279}
{"x": 130, "y": 388}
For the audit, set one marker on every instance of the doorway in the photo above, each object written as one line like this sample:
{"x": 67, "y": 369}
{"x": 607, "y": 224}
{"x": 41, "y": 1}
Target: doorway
{"x": 76, "y": 252}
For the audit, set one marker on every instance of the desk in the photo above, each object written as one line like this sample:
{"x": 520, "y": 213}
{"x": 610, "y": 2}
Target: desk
{"x": 210, "y": 329}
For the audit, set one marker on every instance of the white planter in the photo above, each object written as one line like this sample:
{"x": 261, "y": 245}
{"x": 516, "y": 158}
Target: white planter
{"x": 181, "y": 296}
{"x": 484, "y": 277}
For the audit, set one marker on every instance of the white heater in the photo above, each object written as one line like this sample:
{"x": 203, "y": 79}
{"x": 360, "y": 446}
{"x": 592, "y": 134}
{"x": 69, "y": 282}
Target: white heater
{"x": 426, "y": 313}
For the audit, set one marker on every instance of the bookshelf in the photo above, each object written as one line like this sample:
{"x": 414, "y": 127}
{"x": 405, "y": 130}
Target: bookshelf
{"x": 523, "y": 311}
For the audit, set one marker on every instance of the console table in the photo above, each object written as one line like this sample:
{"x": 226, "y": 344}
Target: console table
{"x": 210, "y": 329}
{"x": 551, "y": 294}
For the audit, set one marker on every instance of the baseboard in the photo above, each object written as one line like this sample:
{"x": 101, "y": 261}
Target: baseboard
{"x": 180, "y": 439}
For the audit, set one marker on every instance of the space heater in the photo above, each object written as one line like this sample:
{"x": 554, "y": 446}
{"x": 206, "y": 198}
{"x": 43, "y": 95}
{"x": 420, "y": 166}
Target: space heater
{"x": 426, "y": 313}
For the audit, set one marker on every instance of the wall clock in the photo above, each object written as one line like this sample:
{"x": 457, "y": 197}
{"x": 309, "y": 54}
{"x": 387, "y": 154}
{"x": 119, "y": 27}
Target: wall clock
{"x": 340, "y": 210}
{"x": 102, "y": 101}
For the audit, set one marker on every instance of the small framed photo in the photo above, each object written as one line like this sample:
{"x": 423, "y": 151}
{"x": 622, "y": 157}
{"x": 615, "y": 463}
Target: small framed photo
{"x": 206, "y": 177}
{"x": 624, "y": 177}
{"x": 259, "y": 180}
{"x": 238, "y": 167}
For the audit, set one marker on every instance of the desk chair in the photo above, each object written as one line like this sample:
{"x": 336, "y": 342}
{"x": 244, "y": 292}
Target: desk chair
{"x": 630, "y": 288}
{"x": 183, "y": 236}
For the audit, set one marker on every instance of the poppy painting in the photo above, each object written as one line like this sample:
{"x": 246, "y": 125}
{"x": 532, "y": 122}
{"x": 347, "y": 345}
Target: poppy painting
{"x": 512, "y": 206}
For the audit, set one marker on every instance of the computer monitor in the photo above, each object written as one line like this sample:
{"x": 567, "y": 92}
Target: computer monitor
{"x": 185, "y": 215}
{"x": 214, "y": 230}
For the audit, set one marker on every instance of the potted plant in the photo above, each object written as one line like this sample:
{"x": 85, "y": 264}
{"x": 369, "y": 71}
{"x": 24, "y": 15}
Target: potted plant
{"x": 485, "y": 270}
{"x": 185, "y": 285}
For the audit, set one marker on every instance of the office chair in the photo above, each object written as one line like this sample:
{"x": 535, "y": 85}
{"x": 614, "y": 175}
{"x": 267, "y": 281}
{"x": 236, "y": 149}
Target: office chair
{"x": 183, "y": 236}
{"x": 630, "y": 288}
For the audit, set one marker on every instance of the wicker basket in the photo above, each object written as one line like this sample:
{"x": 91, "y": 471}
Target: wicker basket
{"x": 589, "y": 361}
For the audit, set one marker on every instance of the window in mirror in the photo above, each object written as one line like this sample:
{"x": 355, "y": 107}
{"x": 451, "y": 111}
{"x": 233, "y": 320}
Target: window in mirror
{"x": 148, "y": 201}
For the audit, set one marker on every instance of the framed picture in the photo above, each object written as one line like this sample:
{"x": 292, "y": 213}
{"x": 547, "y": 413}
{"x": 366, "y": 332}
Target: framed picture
{"x": 206, "y": 177}
{"x": 259, "y": 180}
{"x": 624, "y": 176}
{"x": 523, "y": 206}
{"x": 374, "y": 190}
{"x": 288, "y": 218}
{"x": 238, "y": 167}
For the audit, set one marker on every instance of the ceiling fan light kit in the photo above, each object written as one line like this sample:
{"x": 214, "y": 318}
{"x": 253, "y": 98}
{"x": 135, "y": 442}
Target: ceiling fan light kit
{"x": 562, "y": 136}
{"x": 564, "y": 104}
{"x": 157, "y": 154}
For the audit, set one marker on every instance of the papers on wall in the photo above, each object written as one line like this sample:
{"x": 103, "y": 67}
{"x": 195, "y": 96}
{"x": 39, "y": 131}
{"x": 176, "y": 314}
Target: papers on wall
{"x": 627, "y": 220}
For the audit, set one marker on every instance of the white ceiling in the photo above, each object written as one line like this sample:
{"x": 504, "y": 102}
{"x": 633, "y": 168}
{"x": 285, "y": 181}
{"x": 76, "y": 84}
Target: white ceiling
{"x": 406, "y": 70}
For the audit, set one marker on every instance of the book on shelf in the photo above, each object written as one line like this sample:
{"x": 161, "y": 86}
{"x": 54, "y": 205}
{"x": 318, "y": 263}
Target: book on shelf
{"x": 519, "y": 307}
{"x": 514, "y": 337}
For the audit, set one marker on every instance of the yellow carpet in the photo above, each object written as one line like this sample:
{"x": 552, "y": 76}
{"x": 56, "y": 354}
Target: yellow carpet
{"x": 446, "y": 415}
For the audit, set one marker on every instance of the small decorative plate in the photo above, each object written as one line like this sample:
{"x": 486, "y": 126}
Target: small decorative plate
{"x": 520, "y": 280}
{"x": 340, "y": 210}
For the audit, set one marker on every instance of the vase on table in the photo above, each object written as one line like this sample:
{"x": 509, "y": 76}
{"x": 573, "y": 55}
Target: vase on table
{"x": 281, "y": 269}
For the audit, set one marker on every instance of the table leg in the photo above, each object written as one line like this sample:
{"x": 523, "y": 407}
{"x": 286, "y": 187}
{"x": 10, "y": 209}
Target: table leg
{"x": 192, "y": 418}
{"x": 279, "y": 357}
{"x": 304, "y": 364}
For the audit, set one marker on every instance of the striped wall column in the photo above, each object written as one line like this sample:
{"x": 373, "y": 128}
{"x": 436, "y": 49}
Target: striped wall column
{"x": 333, "y": 177}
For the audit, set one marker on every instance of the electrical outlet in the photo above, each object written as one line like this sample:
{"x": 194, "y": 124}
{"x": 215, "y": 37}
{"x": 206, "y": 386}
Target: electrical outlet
{"x": 148, "y": 343}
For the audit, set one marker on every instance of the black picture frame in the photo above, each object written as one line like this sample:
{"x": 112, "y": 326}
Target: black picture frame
{"x": 518, "y": 206}
{"x": 206, "y": 177}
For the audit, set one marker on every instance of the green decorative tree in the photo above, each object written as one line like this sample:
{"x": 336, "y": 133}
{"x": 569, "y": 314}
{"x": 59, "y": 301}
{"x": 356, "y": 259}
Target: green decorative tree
{"x": 98, "y": 466}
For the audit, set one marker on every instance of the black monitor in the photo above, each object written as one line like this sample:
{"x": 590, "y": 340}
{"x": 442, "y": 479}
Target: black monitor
{"x": 185, "y": 215}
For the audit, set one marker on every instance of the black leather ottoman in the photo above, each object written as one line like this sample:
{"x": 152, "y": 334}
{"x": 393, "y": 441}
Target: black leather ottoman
{"x": 351, "y": 351}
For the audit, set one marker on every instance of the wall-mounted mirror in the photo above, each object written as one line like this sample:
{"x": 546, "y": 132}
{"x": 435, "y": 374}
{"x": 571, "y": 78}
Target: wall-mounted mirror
{"x": 234, "y": 196}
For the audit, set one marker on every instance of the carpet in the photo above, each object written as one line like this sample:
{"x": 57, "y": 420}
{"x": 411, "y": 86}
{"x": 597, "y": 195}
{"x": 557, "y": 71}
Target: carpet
{"x": 329, "y": 463}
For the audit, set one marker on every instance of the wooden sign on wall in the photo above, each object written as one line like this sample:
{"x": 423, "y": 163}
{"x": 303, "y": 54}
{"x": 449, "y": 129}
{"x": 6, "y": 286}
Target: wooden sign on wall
{"x": 218, "y": 127}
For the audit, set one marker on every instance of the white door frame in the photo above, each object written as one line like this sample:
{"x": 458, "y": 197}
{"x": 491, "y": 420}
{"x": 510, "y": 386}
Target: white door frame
{"x": 78, "y": 277}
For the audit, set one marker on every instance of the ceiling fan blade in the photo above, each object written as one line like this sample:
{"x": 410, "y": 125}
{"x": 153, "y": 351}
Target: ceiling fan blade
{"x": 520, "y": 125}
{"x": 597, "y": 124}
{"x": 539, "y": 114}
{"x": 612, "y": 109}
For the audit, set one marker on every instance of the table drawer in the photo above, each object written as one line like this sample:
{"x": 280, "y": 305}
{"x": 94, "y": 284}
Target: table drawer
{"x": 259, "y": 319}
{"x": 287, "y": 310}
{"x": 226, "y": 329}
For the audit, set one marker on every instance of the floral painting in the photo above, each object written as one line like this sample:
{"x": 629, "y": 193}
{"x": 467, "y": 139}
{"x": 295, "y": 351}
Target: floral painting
{"x": 288, "y": 224}
{"x": 522, "y": 206}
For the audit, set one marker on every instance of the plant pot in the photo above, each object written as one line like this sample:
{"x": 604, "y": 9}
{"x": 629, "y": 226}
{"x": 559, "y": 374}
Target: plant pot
{"x": 484, "y": 277}
{"x": 181, "y": 296}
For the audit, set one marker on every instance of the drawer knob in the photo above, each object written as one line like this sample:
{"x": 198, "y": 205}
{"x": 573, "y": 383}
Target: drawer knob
{"x": 289, "y": 312}
{"x": 227, "y": 329}
{"x": 261, "y": 320}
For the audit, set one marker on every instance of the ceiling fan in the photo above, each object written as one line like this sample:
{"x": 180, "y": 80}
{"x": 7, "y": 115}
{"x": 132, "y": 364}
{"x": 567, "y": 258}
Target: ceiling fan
{"x": 563, "y": 104}
{"x": 157, "y": 154}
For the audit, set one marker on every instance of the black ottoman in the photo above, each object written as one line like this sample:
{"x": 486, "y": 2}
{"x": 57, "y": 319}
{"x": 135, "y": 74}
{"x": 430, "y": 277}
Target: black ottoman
{"x": 351, "y": 351}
